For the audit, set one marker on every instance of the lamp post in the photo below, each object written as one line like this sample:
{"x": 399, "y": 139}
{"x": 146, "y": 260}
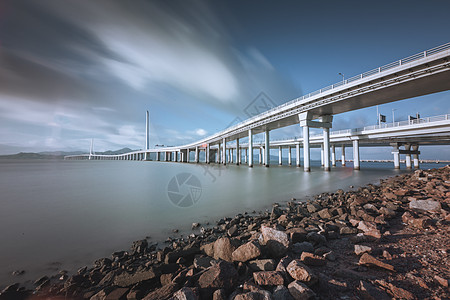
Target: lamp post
{"x": 343, "y": 77}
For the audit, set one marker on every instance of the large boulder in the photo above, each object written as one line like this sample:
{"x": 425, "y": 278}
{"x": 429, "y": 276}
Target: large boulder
{"x": 425, "y": 205}
{"x": 246, "y": 252}
{"x": 223, "y": 249}
{"x": 300, "y": 272}
{"x": 276, "y": 241}
{"x": 300, "y": 291}
{"x": 222, "y": 275}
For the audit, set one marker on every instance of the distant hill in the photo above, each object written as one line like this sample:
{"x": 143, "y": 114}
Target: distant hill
{"x": 58, "y": 154}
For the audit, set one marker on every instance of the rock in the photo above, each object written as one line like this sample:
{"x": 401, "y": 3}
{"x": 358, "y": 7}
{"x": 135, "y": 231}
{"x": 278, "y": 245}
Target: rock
{"x": 208, "y": 249}
{"x": 276, "y": 213}
{"x": 165, "y": 279}
{"x": 360, "y": 249}
{"x": 262, "y": 265}
{"x": 202, "y": 262}
{"x": 185, "y": 293}
{"x": 370, "y": 261}
{"x": 195, "y": 225}
{"x": 299, "y": 271}
{"x": 117, "y": 294}
{"x": 300, "y": 291}
{"x": 299, "y": 248}
{"x": 297, "y": 235}
{"x": 246, "y": 252}
{"x": 139, "y": 247}
{"x": 219, "y": 295}
{"x": 369, "y": 228}
{"x": 276, "y": 241}
{"x": 369, "y": 292}
{"x": 325, "y": 214}
{"x": 425, "y": 205}
{"x": 223, "y": 249}
{"x": 347, "y": 230}
{"x": 18, "y": 272}
{"x": 268, "y": 278}
{"x": 222, "y": 275}
{"x": 316, "y": 238}
{"x": 282, "y": 265}
{"x": 187, "y": 253}
{"x": 330, "y": 256}
{"x": 396, "y": 292}
{"x": 162, "y": 293}
{"x": 253, "y": 296}
{"x": 441, "y": 281}
{"x": 312, "y": 259}
{"x": 126, "y": 279}
{"x": 233, "y": 231}
{"x": 282, "y": 293}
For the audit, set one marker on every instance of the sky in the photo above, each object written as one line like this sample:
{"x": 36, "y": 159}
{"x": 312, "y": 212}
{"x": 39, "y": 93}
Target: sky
{"x": 76, "y": 70}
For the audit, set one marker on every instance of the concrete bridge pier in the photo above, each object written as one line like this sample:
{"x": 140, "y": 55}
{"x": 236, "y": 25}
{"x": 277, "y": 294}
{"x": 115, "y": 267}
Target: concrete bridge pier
{"x": 326, "y": 148}
{"x": 280, "y": 158}
{"x": 333, "y": 156}
{"x": 297, "y": 154}
{"x": 158, "y": 156}
{"x": 238, "y": 153}
{"x": 267, "y": 149}
{"x": 343, "y": 156}
{"x": 250, "y": 148}
{"x": 184, "y": 155}
{"x": 260, "y": 155}
{"x": 289, "y": 156}
{"x": 196, "y": 154}
{"x": 231, "y": 155}
{"x": 321, "y": 155}
{"x": 306, "y": 161}
{"x": 245, "y": 155}
{"x": 224, "y": 151}
{"x": 408, "y": 156}
{"x": 356, "y": 160}
{"x": 415, "y": 148}
{"x": 396, "y": 153}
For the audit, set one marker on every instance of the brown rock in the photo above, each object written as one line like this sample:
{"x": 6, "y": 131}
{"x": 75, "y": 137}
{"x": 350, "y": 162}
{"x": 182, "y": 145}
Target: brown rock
{"x": 425, "y": 205}
{"x": 222, "y": 275}
{"x": 441, "y": 281}
{"x": 262, "y": 265}
{"x": 325, "y": 214}
{"x": 370, "y": 261}
{"x": 360, "y": 249}
{"x": 369, "y": 292}
{"x": 300, "y": 291}
{"x": 117, "y": 294}
{"x": 397, "y": 292}
{"x": 223, "y": 249}
{"x": 208, "y": 249}
{"x": 299, "y": 271}
{"x": 276, "y": 241}
{"x": 185, "y": 293}
{"x": 246, "y": 252}
{"x": 268, "y": 278}
{"x": 219, "y": 295}
{"x": 297, "y": 235}
{"x": 126, "y": 279}
{"x": 369, "y": 228}
{"x": 312, "y": 259}
{"x": 162, "y": 293}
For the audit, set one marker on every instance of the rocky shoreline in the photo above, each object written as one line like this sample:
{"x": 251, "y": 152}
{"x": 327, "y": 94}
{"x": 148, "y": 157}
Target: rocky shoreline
{"x": 383, "y": 241}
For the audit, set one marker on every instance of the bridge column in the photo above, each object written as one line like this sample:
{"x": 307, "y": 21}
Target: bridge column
{"x": 326, "y": 148}
{"x": 196, "y": 154}
{"x": 343, "y": 156}
{"x": 207, "y": 154}
{"x": 231, "y": 155}
{"x": 260, "y": 155}
{"x": 321, "y": 155}
{"x": 238, "y": 153}
{"x": 218, "y": 154}
{"x": 306, "y": 162}
{"x": 415, "y": 148}
{"x": 356, "y": 154}
{"x": 280, "y": 158}
{"x": 408, "y": 156}
{"x": 250, "y": 148}
{"x": 224, "y": 151}
{"x": 176, "y": 156}
{"x": 396, "y": 153}
{"x": 289, "y": 156}
{"x": 267, "y": 149}
{"x": 245, "y": 155}
{"x": 333, "y": 155}
{"x": 297, "y": 154}
{"x": 158, "y": 156}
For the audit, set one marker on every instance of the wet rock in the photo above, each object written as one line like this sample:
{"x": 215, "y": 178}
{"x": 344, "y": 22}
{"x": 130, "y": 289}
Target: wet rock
{"x": 370, "y": 261}
{"x": 312, "y": 259}
{"x": 18, "y": 272}
{"x": 233, "y": 231}
{"x": 246, "y": 252}
{"x": 127, "y": 279}
{"x": 219, "y": 295}
{"x": 282, "y": 293}
{"x": 187, "y": 253}
{"x": 300, "y": 291}
{"x": 299, "y": 248}
{"x": 268, "y": 278}
{"x": 162, "y": 293}
{"x": 222, "y": 275}
{"x": 368, "y": 291}
{"x": 299, "y": 271}
{"x": 426, "y": 205}
{"x": 262, "y": 265}
{"x": 223, "y": 249}
{"x": 195, "y": 225}
{"x": 139, "y": 247}
{"x": 185, "y": 293}
{"x": 360, "y": 249}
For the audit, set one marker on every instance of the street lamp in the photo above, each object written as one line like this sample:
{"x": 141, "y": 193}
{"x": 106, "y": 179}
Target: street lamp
{"x": 343, "y": 77}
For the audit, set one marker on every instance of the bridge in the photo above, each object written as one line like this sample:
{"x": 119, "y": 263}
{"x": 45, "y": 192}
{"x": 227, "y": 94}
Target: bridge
{"x": 420, "y": 74}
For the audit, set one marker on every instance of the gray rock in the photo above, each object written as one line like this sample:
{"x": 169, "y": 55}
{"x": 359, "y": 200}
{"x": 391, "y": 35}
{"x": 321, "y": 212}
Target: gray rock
{"x": 299, "y": 248}
{"x": 426, "y": 205}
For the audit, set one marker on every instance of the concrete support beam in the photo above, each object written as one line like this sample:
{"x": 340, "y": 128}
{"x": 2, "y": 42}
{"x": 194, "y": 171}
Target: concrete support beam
{"x": 260, "y": 155}
{"x": 297, "y": 154}
{"x": 326, "y": 148}
{"x": 415, "y": 148}
{"x": 396, "y": 153}
{"x": 306, "y": 161}
{"x": 250, "y": 148}
{"x": 231, "y": 155}
{"x": 280, "y": 155}
{"x": 321, "y": 155}
{"x": 343, "y": 156}
{"x": 356, "y": 161}
{"x": 196, "y": 155}
{"x": 207, "y": 154}
{"x": 224, "y": 151}
{"x": 267, "y": 149}
{"x": 408, "y": 156}
{"x": 238, "y": 153}
{"x": 289, "y": 156}
{"x": 333, "y": 156}
{"x": 246, "y": 155}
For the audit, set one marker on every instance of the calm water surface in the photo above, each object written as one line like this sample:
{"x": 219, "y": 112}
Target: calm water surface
{"x": 57, "y": 215}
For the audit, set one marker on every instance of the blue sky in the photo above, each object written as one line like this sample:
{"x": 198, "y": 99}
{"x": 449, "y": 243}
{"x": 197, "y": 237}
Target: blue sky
{"x": 74, "y": 70}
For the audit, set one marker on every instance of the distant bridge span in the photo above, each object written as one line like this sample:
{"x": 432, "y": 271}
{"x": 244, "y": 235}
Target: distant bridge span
{"x": 420, "y": 74}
